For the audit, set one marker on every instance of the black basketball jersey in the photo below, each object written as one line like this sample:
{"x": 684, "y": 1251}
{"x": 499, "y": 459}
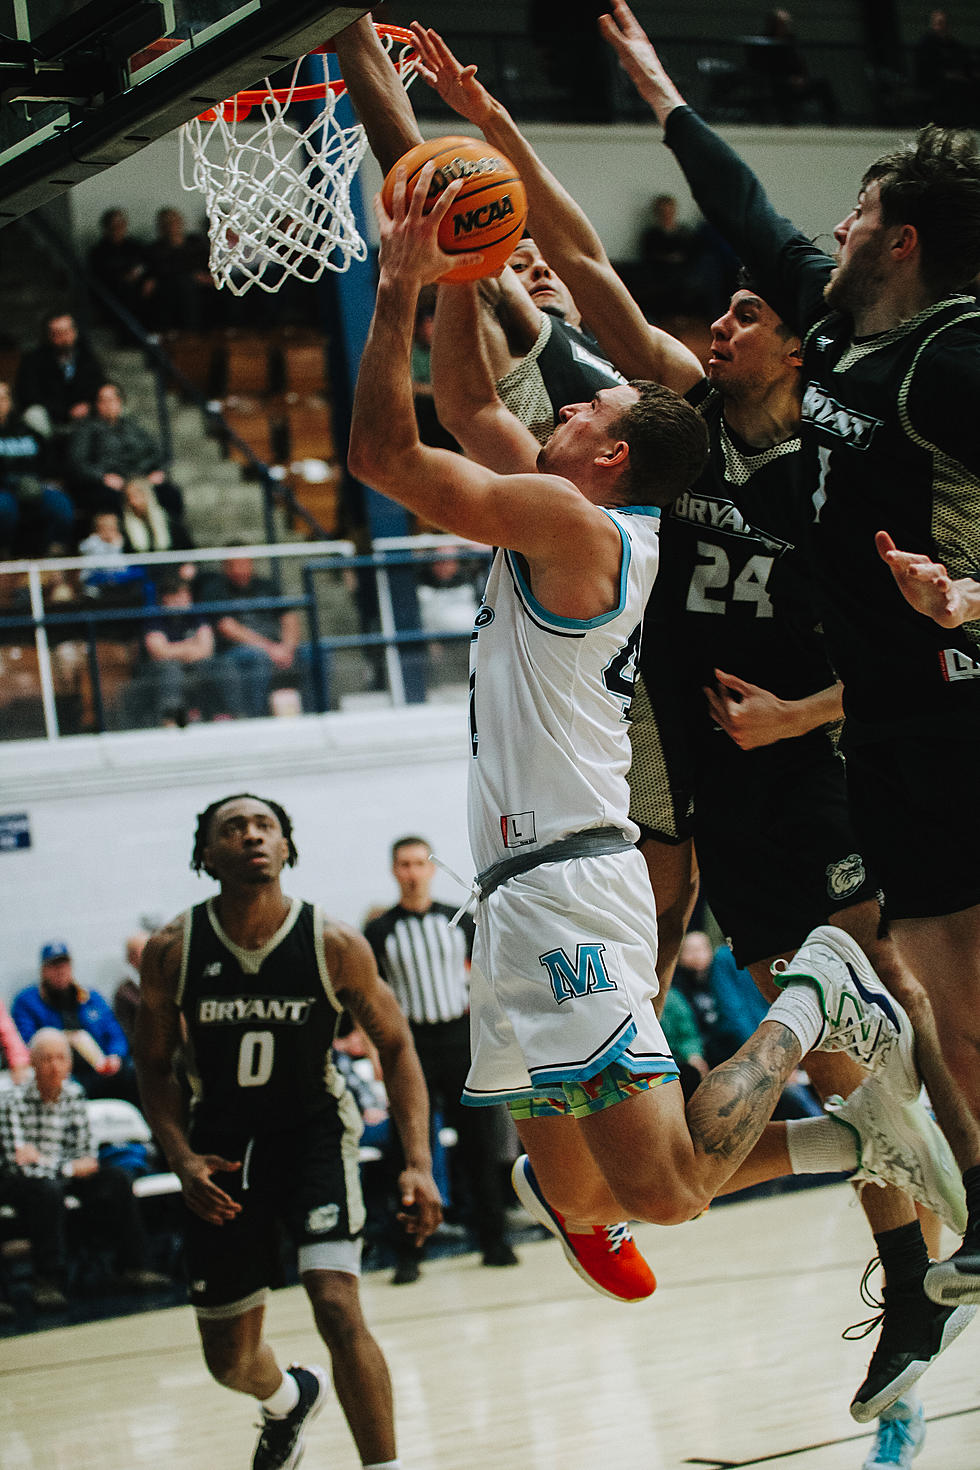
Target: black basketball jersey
{"x": 734, "y": 590}
{"x": 892, "y": 419}
{"x": 565, "y": 365}
{"x": 574, "y": 366}
{"x": 260, "y": 1023}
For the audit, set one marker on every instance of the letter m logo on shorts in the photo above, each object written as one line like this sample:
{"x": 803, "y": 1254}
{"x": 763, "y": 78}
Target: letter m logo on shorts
{"x": 588, "y": 974}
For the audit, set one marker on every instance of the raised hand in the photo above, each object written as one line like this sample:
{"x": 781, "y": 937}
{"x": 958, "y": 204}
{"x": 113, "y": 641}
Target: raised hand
{"x": 639, "y": 60}
{"x": 456, "y": 84}
{"x": 410, "y": 248}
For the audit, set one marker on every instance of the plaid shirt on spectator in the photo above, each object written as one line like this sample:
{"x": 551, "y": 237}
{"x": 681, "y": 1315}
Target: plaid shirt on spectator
{"x": 59, "y": 1130}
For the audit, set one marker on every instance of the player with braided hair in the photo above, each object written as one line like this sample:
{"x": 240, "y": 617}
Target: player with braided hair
{"x": 255, "y": 982}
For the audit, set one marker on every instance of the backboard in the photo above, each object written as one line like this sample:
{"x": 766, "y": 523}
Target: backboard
{"x": 85, "y": 83}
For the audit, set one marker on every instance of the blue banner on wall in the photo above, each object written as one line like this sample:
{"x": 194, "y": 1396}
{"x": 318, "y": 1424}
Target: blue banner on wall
{"x": 15, "y": 831}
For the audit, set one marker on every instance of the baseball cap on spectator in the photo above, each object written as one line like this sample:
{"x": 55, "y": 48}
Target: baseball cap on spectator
{"x": 56, "y": 950}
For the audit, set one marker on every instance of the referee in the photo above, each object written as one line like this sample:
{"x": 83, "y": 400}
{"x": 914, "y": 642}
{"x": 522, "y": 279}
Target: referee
{"x": 426, "y": 963}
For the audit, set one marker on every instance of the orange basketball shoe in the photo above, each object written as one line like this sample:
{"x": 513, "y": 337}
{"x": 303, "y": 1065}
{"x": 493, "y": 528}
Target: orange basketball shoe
{"x": 606, "y": 1258}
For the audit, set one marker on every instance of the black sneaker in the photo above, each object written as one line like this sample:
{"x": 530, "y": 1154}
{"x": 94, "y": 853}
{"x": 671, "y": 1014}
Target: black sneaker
{"x": 956, "y": 1282}
{"x": 407, "y": 1271}
{"x": 280, "y": 1444}
{"x": 914, "y": 1331}
{"x": 500, "y": 1254}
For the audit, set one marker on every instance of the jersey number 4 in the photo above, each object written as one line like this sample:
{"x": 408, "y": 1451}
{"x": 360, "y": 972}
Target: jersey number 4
{"x": 619, "y": 675}
{"x": 713, "y": 587}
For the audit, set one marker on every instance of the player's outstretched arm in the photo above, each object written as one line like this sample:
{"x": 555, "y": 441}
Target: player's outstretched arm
{"x": 640, "y": 61}
{"x": 927, "y": 586}
{"x": 464, "y": 373}
{"x": 563, "y": 231}
{"x": 542, "y": 516}
{"x": 789, "y": 269}
{"x": 382, "y": 105}
{"x": 372, "y": 1003}
{"x": 155, "y": 1045}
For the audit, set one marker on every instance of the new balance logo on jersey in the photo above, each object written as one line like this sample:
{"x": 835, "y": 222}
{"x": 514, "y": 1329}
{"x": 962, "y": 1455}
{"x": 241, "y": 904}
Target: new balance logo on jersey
{"x": 823, "y": 342}
{"x": 210, "y": 971}
{"x": 293, "y": 1011}
{"x": 586, "y": 976}
{"x": 844, "y": 423}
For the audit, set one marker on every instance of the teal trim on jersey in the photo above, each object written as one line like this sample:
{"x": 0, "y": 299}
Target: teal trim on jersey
{"x": 550, "y": 619}
{"x": 639, "y": 510}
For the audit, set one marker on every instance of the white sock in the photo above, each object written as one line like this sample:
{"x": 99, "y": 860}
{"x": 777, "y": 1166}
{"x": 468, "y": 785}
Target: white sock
{"x": 384, "y": 1465}
{"x": 798, "y": 1008}
{"x": 820, "y": 1146}
{"x": 285, "y": 1398}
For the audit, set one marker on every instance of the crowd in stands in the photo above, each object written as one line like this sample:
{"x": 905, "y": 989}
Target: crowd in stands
{"x": 69, "y": 452}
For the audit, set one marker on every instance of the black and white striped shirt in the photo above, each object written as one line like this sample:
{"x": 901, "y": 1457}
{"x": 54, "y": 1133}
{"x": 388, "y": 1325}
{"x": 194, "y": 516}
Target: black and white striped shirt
{"x": 424, "y": 960}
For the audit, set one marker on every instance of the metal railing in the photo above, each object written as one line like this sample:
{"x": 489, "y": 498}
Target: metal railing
{"x": 42, "y": 620}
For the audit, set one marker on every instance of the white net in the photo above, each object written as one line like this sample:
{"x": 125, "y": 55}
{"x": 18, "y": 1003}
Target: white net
{"x": 277, "y": 198}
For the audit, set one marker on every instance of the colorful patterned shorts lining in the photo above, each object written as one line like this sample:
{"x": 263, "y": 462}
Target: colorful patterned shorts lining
{"x": 612, "y": 1085}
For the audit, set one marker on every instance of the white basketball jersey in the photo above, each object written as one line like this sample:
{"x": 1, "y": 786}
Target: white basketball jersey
{"x": 549, "y": 705}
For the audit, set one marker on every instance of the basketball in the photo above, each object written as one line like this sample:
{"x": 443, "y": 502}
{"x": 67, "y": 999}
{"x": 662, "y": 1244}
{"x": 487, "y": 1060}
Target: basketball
{"x": 489, "y": 212}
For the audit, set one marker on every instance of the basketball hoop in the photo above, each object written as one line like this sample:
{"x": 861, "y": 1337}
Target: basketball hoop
{"x": 278, "y": 198}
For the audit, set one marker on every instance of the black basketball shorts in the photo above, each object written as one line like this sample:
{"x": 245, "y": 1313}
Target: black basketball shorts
{"x": 915, "y": 801}
{"x": 775, "y": 842}
{"x": 303, "y": 1183}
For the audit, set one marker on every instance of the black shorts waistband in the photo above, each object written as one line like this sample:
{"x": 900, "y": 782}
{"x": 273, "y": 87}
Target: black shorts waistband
{"x": 595, "y": 842}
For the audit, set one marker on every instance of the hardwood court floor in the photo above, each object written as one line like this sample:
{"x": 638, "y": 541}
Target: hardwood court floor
{"x": 736, "y": 1361}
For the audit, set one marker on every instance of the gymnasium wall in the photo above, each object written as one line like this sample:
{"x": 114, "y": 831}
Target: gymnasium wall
{"x": 112, "y": 818}
{"x": 614, "y": 172}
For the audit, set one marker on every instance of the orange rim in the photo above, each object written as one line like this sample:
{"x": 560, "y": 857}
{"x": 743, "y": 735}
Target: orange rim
{"x": 238, "y": 107}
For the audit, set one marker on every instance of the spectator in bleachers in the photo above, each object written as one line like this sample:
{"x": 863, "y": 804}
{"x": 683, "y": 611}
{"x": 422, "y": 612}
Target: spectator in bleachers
{"x": 180, "y": 681}
{"x": 680, "y": 1026}
{"x": 35, "y": 516}
{"x": 126, "y": 997}
{"x": 110, "y": 448}
{"x": 118, "y": 262}
{"x": 106, "y": 540}
{"x": 260, "y": 646}
{"x": 430, "y": 429}
{"x": 57, "y": 380}
{"x": 15, "y": 1062}
{"x": 180, "y": 292}
{"x": 146, "y": 526}
{"x": 685, "y": 270}
{"x": 784, "y": 66}
{"x": 947, "y": 73}
{"x": 46, "y": 1153}
{"x": 102, "y": 1063}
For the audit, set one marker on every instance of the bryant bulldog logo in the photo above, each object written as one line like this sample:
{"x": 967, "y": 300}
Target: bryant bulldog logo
{"x": 845, "y": 876}
{"x": 322, "y": 1219}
